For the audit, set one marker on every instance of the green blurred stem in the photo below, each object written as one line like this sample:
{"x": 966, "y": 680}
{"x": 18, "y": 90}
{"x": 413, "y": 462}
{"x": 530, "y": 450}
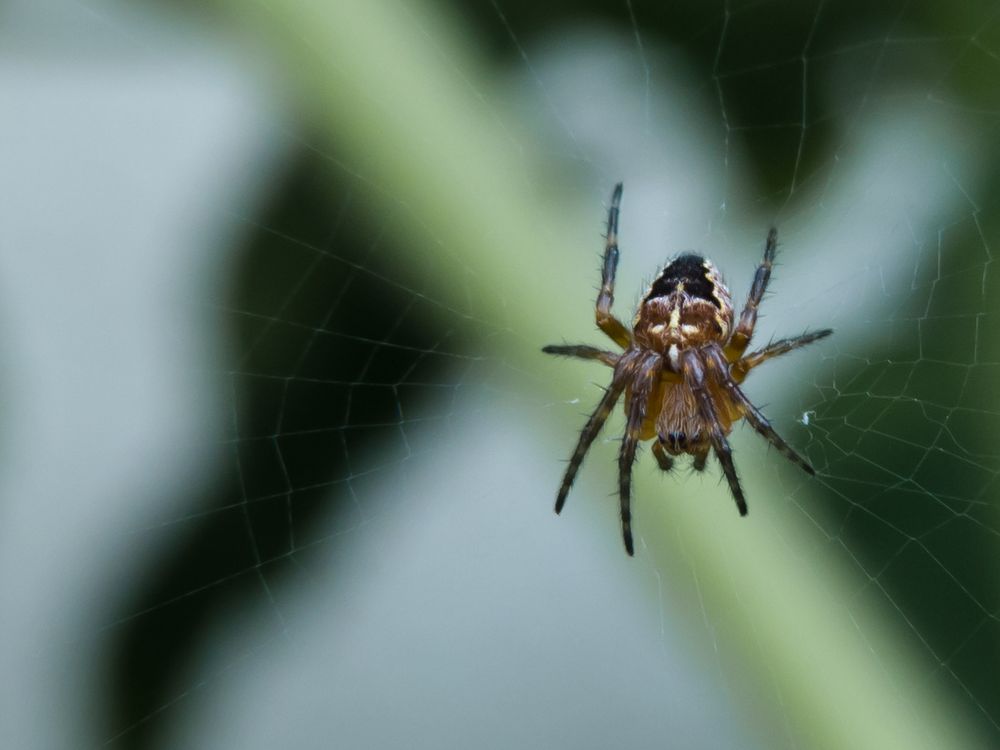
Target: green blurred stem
{"x": 401, "y": 91}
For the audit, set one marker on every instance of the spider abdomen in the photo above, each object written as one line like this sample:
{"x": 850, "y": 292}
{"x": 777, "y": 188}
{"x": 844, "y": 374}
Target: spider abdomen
{"x": 686, "y": 306}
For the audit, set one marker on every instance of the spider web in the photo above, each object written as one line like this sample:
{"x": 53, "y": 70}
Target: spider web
{"x": 375, "y": 555}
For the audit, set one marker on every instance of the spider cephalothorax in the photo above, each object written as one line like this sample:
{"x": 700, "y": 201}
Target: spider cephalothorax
{"x": 681, "y": 368}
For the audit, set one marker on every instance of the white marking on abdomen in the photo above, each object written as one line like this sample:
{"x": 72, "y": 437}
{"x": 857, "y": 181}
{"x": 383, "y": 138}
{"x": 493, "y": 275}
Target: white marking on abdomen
{"x": 675, "y": 360}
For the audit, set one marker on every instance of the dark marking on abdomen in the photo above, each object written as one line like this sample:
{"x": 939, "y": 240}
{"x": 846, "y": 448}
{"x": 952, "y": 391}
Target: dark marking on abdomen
{"x": 687, "y": 269}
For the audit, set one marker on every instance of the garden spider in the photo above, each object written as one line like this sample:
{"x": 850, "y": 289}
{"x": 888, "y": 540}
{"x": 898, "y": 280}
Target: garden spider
{"x": 681, "y": 368}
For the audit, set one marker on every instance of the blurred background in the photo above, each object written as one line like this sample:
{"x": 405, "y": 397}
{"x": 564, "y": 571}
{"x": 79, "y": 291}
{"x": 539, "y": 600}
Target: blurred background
{"x": 279, "y": 447}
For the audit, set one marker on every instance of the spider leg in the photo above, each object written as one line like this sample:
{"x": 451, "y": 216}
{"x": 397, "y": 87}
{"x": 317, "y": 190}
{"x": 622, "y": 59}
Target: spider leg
{"x": 694, "y": 372}
{"x": 590, "y": 430}
{"x": 664, "y": 459}
{"x": 606, "y": 321}
{"x": 740, "y": 339}
{"x": 775, "y": 349}
{"x": 699, "y": 461}
{"x": 582, "y": 351}
{"x": 642, "y": 387}
{"x": 720, "y": 368}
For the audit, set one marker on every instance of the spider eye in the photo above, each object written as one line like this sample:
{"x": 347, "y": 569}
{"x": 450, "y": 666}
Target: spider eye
{"x": 677, "y": 440}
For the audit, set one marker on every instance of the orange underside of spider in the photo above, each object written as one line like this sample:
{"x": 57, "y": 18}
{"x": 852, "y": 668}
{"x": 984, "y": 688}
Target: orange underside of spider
{"x": 669, "y": 404}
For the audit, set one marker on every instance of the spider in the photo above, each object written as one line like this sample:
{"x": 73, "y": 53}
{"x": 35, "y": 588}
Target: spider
{"x": 681, "y": 368}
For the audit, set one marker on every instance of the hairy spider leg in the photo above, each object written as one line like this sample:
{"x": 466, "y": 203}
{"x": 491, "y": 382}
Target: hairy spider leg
{"x": 719, "y": 368}
{"x": 664, "y": 459}
{"x": 582, "y": 351}
{"x": 740, "y": 339}
{"x": 699, "y": 461}
{"x": 593, "y": 426}
{"x": 606, "y": 321}
{"x": 694, "y": 373}
{"x": 775, "y": 349}
{"x": 638, "y": 401}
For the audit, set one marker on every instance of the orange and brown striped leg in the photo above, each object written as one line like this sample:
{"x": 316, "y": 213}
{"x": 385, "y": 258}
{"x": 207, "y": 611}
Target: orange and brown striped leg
{"x": 582, "y": 351}
{"x": 590, "y": 430}
{"x": 740, "y": 339}
{"x": 776, "y": 349}
{"x": 719, "y": 368}
{"x": 694, "y": 372}
{"x": 606, "y": 321}
{"x": 642, "y": 387}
